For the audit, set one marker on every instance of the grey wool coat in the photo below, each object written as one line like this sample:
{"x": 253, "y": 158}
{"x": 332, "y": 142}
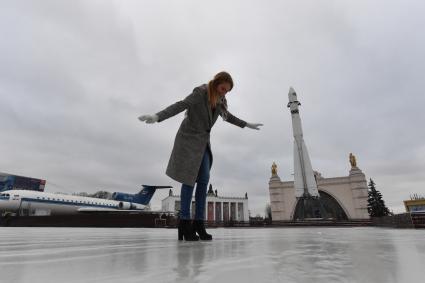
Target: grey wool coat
{"x": 193, "y": 136}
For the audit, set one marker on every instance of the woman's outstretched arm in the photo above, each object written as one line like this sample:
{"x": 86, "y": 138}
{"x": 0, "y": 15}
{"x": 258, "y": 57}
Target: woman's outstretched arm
{"x": 174, "y": 109}
{"x": 230, "y": 118}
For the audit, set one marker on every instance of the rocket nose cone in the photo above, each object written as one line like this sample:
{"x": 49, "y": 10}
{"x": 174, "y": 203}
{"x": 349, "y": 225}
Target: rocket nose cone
{"x": 292, "y": 95}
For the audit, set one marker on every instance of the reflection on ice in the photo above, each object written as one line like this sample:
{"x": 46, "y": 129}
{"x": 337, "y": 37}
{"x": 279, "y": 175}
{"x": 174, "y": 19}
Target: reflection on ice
{"x": 235, "y": 255}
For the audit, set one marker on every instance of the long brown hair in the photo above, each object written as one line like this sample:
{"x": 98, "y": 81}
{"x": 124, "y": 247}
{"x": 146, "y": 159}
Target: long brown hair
{"x": 213, "y": 96}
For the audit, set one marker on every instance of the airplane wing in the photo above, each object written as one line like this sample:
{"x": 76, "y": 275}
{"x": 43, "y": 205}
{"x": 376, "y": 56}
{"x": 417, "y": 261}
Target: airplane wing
{"x": 102, "y": 210}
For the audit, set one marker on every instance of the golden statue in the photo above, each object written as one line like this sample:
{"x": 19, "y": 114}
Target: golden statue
{"x": 353, "y": 161}
{"x": 274, "y": 169}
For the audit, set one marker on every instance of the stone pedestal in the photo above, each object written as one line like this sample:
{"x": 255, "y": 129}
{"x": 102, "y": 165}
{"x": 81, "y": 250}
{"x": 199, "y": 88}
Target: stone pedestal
{"x": 349, "y": 191}
{"x": 277, "y": 200}
{"x": 358, "y": 185}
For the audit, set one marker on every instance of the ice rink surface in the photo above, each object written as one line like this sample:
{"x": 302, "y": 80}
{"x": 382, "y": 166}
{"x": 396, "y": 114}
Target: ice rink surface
{"x": 235, "y": 255}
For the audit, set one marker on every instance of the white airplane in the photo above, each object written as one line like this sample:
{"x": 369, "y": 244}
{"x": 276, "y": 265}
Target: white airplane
{"x": 24, "y": 202}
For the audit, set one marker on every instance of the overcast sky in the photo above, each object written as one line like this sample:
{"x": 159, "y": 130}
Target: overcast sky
{"x": 75, "y": 75}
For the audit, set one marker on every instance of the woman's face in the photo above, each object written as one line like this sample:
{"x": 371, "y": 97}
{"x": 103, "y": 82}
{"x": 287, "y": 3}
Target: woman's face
{"x": 223, "y": 88}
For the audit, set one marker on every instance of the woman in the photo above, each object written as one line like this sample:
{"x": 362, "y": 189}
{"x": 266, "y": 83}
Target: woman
{"x": 191, "y": 158}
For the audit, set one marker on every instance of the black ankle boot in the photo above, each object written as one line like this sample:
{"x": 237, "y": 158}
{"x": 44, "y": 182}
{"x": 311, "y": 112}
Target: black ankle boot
{"x": 199, "y": 227}
{"x": 185, "y": 230}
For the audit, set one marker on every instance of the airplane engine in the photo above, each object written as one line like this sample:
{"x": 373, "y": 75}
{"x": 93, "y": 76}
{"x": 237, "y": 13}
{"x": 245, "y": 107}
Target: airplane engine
{"x": 124, "y": 205}
{"x": 125, "y": 200}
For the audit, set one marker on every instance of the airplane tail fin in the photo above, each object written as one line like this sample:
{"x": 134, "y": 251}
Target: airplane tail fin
{"x": 146, "y": 194}
{"x": 142, "y": 197}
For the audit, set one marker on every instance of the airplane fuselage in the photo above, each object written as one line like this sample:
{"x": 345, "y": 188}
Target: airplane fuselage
{"x": 25, "y": 202}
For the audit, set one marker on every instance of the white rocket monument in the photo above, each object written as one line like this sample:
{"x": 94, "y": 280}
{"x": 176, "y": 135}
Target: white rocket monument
{"x": 304, "y": 181}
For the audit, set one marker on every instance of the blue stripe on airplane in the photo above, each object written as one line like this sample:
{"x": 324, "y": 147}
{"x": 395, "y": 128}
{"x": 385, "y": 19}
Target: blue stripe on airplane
{"x": 67, "y": 203}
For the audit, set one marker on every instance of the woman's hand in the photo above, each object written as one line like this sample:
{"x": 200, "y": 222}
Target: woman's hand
{"x": 150, "y": 119}
{"x": 254, "y": 126}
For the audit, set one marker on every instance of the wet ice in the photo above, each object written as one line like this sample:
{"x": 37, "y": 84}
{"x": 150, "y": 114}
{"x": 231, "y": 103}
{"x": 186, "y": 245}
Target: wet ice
{"x": 235, "y": 255}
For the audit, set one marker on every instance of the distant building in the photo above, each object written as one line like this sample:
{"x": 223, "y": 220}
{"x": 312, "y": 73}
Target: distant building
{"x": 217, "y": 209}
{"x": 415, "y": 204}
{"x": 14, "y": 182}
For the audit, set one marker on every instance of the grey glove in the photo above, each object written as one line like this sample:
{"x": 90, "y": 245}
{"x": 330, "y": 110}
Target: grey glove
{"x": 150, "y": 119}
{"x": 254, "y": 126}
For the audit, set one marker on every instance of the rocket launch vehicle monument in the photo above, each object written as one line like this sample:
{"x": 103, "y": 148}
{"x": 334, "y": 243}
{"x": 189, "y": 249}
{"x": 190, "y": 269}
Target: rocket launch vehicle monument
{"x": 311, "y": 196}
{"x": 304, "y": 180}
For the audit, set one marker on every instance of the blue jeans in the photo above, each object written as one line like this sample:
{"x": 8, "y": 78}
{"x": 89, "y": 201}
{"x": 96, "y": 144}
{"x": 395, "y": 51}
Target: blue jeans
{"x": 201, "y": 191}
